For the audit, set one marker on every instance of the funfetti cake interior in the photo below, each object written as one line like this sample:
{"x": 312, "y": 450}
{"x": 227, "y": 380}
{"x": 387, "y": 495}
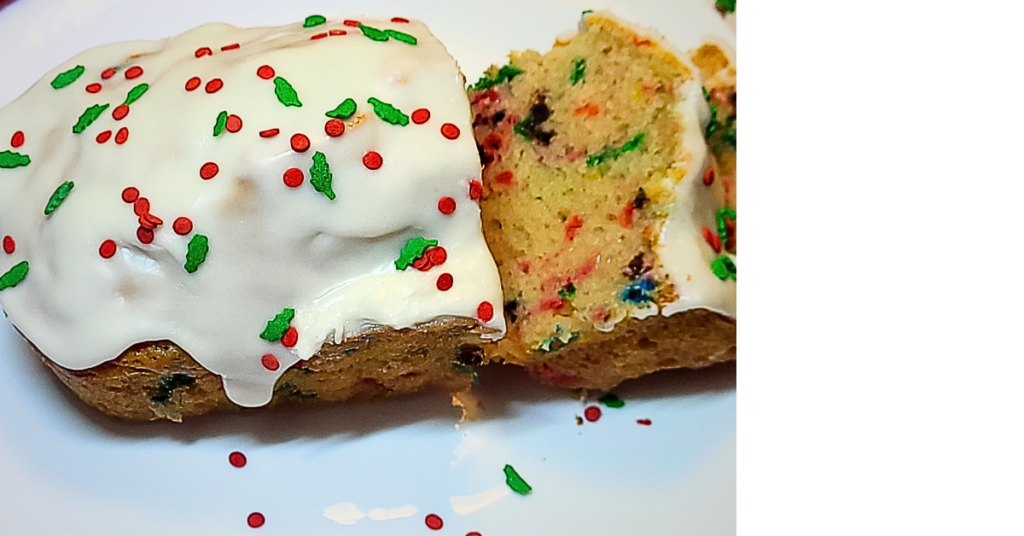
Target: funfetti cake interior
{"x": 237, "y": 216}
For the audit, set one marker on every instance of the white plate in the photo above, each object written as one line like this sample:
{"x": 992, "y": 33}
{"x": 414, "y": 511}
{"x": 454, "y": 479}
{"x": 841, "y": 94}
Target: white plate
{"x": 64, "y": 469}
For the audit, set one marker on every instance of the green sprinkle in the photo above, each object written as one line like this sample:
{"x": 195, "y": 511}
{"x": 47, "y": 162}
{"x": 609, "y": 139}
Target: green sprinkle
{"x": 726, "y": 6}
{"x": 388, "y": 113}
{"x": 373, "y": 33}
{"x": 314, "y": 20}
{"x": 579, "y": 68}
{"x": 567, "y": 292}
{"x": 586, "y": 12}
{"x": 344, "y": 110}
{"x": 67, "y": 78}
{"x": 58, "y": 197}
{"x": 611, "y": 400}
{"x": 613, "y": 153}
{"x": 504, "y": 74}
{"x": 413, "y": 250}
{"x": 724, "y": 268}
{"x": 321, "y": 175}
{"x": 523, "y": 127}
{"x": 14, "y": 276}
{"x": 222, "y": 123}
{"x": 720, "y": 216}
{"x": 713, "y": 124}
{"x": 707, "y": 96}
{"x": 399, "y": 36}
{"x": 286, "y": 93}
{"x": 198, "y": 247}
{"x": 459, "y": 368}
{"x": 87, "y": 118}
{"x": 135, "y": 93}
{"x": 275, "y": 328}
{"x": 9, "y": 160}
{"x": 515, "y": 481}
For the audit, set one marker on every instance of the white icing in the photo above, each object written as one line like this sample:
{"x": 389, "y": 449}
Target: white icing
{"x": 467, "y": 504}
{"x": 345, "y": 513}
{"x": 271, "y": 246}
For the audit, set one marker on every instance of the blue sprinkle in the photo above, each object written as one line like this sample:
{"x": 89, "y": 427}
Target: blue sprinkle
{"x": 639, "y": 291}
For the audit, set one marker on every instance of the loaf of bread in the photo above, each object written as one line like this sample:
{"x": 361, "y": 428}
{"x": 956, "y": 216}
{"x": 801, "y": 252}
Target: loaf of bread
{"x": 611, "y": 221}
{"x": 237, "y": 217}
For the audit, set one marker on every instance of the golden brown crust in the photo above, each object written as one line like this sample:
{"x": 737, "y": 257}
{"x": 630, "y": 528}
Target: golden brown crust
{"x": 159, "y": 380}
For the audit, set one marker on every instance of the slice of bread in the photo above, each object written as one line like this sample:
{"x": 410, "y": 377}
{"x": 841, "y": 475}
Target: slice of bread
{"x": 601, "y": 206}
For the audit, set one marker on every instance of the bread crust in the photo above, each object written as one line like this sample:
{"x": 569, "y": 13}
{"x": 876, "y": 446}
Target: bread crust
{"x": 159, "y": 380}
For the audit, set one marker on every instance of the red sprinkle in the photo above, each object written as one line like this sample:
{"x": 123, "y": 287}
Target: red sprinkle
{"x": 334, "y": 128}
{"x": 95, "y": 87}
{"x": 182, "y": 226}
{"x": 434, "y": 522}
{"x": 318, "y": 36}
{"x": 18, "y": 139}
{"x": 290, "y": 337}
{"x": 709, "y": 177}
{"x": 352, "y": 23}
{"x": 205, "y": 51}
{"x": 421, "y": 116}
{"x": 107, "y": 249}
{"x": 193, "y": 83}
{"x": 256, "y": 520}
{"x": 505, "y": 177}
{"x": 643, "y": 422}
{"x": 8, "y": 244}
{"x": 476, "y": 190}
{"x": 270, "y": 362}
{"x": 120, "y": 112}
{"x": 214, "y": 85}
{"x": 293, "y": 177}
{"x": 265, "y": 72}
{"x": 108, "y": 73}
{"x": 104, "y": 137}
{"x": 144, "y": 235}
{"x": 373, "y": 160}
{"x": 122, "y": 136}
{"x": 150, "y": 221}
{"x": 422, "y": 264}
{"x": 444, "y": 282}
{"x": 337, "y": 32}
{"x": 141, "y": 205}
{"x": 133, "y": 72}
{"x": 592, "y": 413}
{"x": 437, "y": 255}
{"x": 270, "y": 133}
{"x": 450, "y": 131}
{"x": 237, "y": 459}
{"x": 130, "y": 194}
{"x": 399, "y": 19}
{"x": 209, "y": 171}
{"x": 713, "y": 240}
{"x": 300, "y": 143}
{"x": 234, "y": 123}
{"x": 474, "y": 533}
{"x": 234, "y": 46}
{"x": 485, "y": 311}
{"x": 446, "y": 205}
{"x": 572, "y": 226}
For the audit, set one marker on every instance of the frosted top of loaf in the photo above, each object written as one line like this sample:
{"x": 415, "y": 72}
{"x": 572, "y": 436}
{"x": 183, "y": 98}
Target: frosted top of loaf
{"x": 243, "y": 193}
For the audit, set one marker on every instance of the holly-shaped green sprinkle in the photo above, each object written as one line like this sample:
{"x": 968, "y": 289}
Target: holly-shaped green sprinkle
{"x": 388, "y": 113}
{"x": 579, "y": 68}
{"x": 58, "y": 197}
{"x": 135, "y": 93}
{"x": 87, "y": 118}
{"x": 724, "y": 268}
{"x": 399, "y": 36}
{"x": 515, "y": 481}
{"x": 275, "y": 328}
{"x": 221, "y": 124}
{"x": 611, "y": 400}
{"x": 314, "y": 20}
{"x": 321, "y": 175}
{"x": 14, "y": 276}
{"x": 726, "y": 6}
{"x": 68, "y": 77}
{"x": 413, "y": 250}
{"x": 198, "y": 247}
{"x": 613, "y": 153}
{"x": 720, "y": 216}
{"x": 286, "y": 93}
{"x": 344, "y": 110}
{"x": 373, "y": 33}
{"x": 9, "y": 160}
{"x": 504, "y": 74}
